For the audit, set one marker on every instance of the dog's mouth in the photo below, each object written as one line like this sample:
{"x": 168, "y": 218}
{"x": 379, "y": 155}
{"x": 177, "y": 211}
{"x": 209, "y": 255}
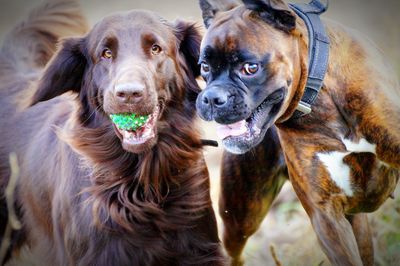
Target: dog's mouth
{"x": 136, "y": 130}
{"x": 245, "y": 134}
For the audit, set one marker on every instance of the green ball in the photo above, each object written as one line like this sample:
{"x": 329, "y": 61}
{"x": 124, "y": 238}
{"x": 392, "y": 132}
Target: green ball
{"x": 129, "y": 121}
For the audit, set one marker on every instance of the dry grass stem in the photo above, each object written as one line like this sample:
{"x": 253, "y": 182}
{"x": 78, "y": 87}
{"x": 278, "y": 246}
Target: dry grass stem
{"x": 13, "y": 222}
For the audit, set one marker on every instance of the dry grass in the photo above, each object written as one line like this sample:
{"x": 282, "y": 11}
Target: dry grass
{"x": 13, "y": 223}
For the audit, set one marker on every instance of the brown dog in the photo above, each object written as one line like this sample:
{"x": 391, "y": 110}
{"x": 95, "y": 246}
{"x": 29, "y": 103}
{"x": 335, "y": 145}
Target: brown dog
{"x": 92, "y": 192}
{"x": 343, "y": 158}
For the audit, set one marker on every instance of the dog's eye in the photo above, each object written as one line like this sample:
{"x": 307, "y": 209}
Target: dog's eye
{"x": 156, "y": 49}
{"x": 250, "y": 69}
{"x": 107, "y": 53}
{"x": 205, "y": 68}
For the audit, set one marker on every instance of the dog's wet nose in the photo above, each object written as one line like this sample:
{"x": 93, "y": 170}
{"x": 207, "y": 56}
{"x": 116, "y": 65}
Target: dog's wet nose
{"x": 212, "y": 101}
{"x": 216, "y": 98}
{"x": 129, "y": 92}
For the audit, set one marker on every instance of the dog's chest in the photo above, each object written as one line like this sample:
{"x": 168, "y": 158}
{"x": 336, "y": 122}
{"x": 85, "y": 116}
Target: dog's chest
{"x": 364, "y": 179}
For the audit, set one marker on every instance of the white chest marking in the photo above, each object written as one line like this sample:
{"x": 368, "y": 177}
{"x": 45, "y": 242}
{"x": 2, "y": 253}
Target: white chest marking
{"x": 362, "y": 146}
{"x": 338, "y": 170}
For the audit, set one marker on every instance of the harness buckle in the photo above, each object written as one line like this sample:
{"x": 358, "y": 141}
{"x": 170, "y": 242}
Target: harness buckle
{"x": 304, "y": 107}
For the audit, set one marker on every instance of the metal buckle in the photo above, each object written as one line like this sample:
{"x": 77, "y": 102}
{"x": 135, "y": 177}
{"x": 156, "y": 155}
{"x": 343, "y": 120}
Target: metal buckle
{"x": 303, "y": 107}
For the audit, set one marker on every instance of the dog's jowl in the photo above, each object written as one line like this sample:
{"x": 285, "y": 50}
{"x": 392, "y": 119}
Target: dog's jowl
{"x": 343, "y": 158}
{"x": 111, "y": 164}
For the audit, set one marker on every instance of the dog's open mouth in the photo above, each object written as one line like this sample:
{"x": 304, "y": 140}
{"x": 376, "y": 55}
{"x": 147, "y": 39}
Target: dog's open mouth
{"x": 134, "y": 129}
{"x": 243, "y": 135}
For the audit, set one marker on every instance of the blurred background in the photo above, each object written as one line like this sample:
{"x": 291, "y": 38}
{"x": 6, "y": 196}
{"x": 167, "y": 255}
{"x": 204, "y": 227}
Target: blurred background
{"x": 286, "y": 228}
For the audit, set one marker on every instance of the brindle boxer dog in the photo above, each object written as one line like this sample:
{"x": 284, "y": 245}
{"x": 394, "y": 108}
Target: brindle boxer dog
{"x": 343, "y": 159}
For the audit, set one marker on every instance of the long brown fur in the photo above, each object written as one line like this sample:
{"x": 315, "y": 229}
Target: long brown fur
{"x": 83, "y": 199}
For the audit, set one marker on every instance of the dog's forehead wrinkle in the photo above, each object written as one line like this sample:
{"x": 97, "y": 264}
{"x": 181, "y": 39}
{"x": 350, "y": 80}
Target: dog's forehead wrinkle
{"x": 232, "y": 16}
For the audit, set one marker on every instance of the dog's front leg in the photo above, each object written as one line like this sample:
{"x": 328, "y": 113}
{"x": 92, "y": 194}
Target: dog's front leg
{"x": 249, "y": 184}
{"x": 325, "y": 207}
{"x": 335, "y": 236}
{"x": 362, "y": 232}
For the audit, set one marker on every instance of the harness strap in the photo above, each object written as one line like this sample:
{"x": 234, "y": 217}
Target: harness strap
{"x": 318, "y": 52}
{"x": 209, "y": 142}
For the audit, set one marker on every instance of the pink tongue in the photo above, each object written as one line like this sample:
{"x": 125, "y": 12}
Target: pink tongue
{"x": 235, "y": 129}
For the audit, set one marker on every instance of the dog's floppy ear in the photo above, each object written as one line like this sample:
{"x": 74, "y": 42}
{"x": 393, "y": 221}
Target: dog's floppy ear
{"x": 275, "y": 12}
{"x": 64, "y": 72}
{"x": 189, "y": 39}
{"x": 211, "y": 7}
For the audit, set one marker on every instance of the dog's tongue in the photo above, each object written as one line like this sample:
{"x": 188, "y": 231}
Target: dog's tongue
{"x": 236, "y": 129}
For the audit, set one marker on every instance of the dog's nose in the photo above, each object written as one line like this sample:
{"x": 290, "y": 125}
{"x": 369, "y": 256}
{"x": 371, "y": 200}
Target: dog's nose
{"x": 215, "y": 98}
{"x": 129, "y": 92}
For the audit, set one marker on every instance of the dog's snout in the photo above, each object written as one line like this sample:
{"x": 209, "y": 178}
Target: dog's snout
{"x": 129, "y": 92}
{"x": 212, "y": 102}
{"x": 215, "y": 98}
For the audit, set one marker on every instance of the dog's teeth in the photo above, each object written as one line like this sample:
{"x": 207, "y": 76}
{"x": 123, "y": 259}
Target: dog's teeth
{"x": 147, "y": 133}
{"x": 127, "y": 134}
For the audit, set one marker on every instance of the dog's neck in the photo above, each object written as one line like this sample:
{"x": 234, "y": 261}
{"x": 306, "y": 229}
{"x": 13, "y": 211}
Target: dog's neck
{"x": 300, "y": 80}
{"x": 174, "y": 165}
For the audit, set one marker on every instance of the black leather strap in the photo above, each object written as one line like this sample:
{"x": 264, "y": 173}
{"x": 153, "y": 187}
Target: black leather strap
{"x": 318, "y": 52}
{"x": 209, "y": 142}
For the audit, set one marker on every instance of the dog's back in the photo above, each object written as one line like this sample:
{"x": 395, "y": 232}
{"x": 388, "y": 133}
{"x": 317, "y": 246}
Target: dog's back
{"x": 25, "y": 51}
{"x": 29, "y": 45}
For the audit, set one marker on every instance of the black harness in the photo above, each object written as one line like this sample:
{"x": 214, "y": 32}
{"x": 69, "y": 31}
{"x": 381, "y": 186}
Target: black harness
{"x": 318, "y": 52}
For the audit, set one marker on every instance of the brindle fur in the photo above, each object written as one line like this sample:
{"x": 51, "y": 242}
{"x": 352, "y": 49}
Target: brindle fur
{"x": 359, "y": 99}
{"x": 250, "y": 182}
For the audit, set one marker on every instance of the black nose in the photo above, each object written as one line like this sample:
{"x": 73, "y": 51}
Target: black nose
{"x": 216, "y": 98}
{"x": 129, "y": 92}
